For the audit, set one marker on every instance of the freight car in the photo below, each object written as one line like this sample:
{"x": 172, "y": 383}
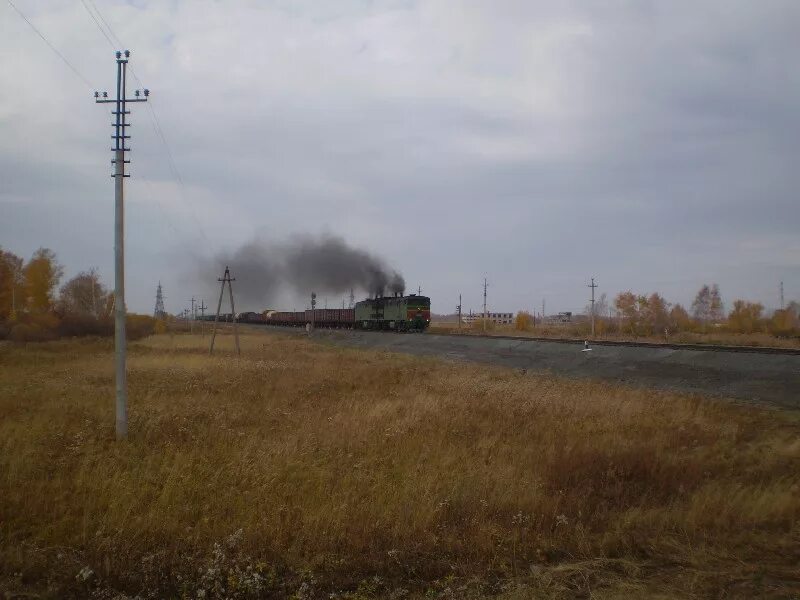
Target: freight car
{"x": 334, "y": 318}
{"x": 250, "y": 317}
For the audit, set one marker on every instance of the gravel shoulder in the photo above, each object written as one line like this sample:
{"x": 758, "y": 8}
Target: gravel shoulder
{"x": 766, "y": 379}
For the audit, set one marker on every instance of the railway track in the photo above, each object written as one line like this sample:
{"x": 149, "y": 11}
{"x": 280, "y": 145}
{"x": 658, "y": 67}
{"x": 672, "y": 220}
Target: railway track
{"x": 754, "y": 375}
{"x": 621, "y": 343}
{"x": 631, "y": 344}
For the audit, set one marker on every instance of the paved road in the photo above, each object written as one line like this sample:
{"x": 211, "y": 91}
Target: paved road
{"x": 772, "y": 379}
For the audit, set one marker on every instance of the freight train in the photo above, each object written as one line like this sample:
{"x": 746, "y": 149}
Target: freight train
{"x": 389, "y": 313}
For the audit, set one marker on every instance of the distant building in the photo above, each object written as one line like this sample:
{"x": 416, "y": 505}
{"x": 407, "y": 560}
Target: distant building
{"x": 562, "y": 317}
{"x": 493, "y": 317}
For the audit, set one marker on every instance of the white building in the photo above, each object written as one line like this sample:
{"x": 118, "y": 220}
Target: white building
{"x": 498, "y": 318}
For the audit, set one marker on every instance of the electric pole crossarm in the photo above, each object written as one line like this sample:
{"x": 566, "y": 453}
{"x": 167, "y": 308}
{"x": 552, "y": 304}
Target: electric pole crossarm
{"x": 126, "y": 100}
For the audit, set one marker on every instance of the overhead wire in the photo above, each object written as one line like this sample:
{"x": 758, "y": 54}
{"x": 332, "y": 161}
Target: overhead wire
{"x": 156, "y": 124}
{"x": 159, "y": 131}
{"x": 96, "y": 22}
{"x": 51, "y": 46}
{"x": 111, "y": 31}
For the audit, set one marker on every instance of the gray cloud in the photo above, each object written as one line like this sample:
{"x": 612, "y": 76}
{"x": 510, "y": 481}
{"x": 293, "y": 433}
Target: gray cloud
{"x": 652, "y": 145}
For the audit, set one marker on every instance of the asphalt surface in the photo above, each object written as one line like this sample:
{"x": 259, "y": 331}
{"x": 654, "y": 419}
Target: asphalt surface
{"x": 767, "y": 379}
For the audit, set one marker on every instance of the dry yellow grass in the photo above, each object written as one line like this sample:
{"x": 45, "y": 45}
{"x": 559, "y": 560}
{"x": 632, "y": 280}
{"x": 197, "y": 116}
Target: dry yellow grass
{"x": 317, "y": 470}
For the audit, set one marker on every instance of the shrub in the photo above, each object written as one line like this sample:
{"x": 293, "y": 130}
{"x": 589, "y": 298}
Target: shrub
{"x": 48, "y": 326}
{"x": 784, "y": 323}
{"x": 75, "y": 325}
{"x": 140, "y": 326}
{"x": 30, "y": 332}
{"x": 523, "y": 321}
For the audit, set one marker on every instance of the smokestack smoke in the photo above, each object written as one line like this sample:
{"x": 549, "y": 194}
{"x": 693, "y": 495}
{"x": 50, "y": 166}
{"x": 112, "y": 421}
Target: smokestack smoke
{"x": 325, "y": 265}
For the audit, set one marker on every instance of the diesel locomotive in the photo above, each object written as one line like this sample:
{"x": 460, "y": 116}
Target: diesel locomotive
{"x": 399, "y": 313}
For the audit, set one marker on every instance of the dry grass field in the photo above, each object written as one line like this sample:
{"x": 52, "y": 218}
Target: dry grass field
{"x": 306, "y": 471}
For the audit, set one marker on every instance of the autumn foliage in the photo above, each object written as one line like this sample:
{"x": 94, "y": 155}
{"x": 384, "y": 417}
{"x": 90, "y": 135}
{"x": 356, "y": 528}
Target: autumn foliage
{"x": 648, "y": 315}
{"x": 523, "y": 321}
{"x": 34, "y": 309}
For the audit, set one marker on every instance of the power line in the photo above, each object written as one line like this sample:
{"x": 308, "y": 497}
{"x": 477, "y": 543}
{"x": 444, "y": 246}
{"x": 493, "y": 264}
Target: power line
{"x": 111, "y": 31}
{"x": 53, "y": 48}
{"x": 159, "y": 131}
{"x": 172, "y": 166}
{"x": 156, "y": 124}
{"x": 96, "y": 22}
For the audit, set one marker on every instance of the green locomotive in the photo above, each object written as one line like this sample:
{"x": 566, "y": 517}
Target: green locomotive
{"x": 399, "y": 313}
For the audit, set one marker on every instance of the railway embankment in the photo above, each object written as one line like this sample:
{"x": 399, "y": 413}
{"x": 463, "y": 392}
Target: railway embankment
{"x": 756, "y": 376}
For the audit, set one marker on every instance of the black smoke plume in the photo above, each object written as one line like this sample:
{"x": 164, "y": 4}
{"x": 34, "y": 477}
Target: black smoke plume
{"x": 326, "y": 264}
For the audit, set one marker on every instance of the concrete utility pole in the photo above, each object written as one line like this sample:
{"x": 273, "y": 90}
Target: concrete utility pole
{"x": 783, "y": 306}
{"x": 485, "y": 285}
{"x": 313, "y": 307}
{"x": 202, "y": 308}
{"x": 593, "y": 286}
{"x": 120, "y": 135}
{"x": 458, "y": 310}
{"x": 226, "y": 278}
{"x": 352, "y": 298}
{"x": 191, "y": 323}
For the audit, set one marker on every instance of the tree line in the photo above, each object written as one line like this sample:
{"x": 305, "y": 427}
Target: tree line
{"x": 33, "y": 307}
{"x": 639, "y": 314}
{"x": 652, "y": 315}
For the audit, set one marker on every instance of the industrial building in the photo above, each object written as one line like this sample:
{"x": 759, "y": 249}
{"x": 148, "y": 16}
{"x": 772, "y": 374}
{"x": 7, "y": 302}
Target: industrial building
{"x": 498, "y": 318}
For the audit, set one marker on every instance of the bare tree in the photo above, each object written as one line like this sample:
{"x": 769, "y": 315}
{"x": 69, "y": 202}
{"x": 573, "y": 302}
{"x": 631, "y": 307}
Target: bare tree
{"x": 84, "y": 294}
{"x": 701, "y": 307}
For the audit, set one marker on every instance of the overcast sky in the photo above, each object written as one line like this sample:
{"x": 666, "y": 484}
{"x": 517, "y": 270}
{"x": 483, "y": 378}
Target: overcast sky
{"x": 652, "y": 145}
